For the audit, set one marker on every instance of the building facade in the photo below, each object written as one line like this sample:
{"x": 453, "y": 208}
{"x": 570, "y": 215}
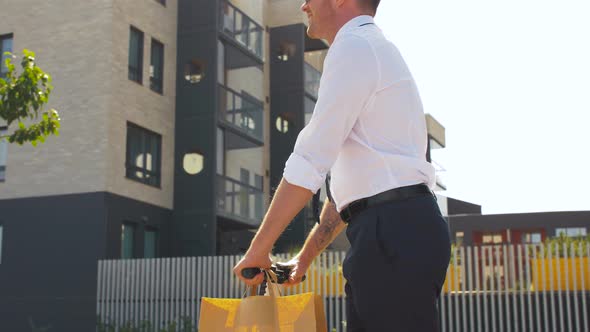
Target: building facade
{"x": 177, "y": 119}
{"x": 518, "y": 228}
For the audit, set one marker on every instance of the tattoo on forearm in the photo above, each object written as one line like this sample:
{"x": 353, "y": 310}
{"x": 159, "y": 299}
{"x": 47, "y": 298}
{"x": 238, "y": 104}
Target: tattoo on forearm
{"x": 328, "y": 224}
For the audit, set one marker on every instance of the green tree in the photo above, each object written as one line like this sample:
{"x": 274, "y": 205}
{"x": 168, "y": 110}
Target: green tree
{"x": 23, "y": 97}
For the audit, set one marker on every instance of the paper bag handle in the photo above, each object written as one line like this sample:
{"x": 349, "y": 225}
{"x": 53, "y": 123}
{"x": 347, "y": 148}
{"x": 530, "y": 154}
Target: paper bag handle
{"x": 274, "y": 289}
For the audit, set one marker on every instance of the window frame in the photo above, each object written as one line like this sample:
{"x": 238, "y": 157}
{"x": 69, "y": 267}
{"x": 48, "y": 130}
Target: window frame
{"x": 493, "y": 236}
{"x": 2, "y": 39}
{"x": 131, "y": 168}
{"x": 153, "y": 79}
{"x": 524, "y": 235}
{"x": 133, "y": 227}
{"x": 156, "y": 240}
{"x": 3, "y": 130}
{"x": 567, "y": 230}
{"x": 132, "y": 70}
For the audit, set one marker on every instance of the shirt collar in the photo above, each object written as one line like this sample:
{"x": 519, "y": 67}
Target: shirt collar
{"x": 355, "y": 22}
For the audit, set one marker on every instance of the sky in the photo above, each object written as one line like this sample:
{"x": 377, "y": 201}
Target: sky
{"x": 510, "y": 82}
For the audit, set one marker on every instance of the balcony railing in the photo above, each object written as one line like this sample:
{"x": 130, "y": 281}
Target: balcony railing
{"x": 239, "y": 200}
{"x": 440, "y": 174}
{"x": 241, "y": 28}
{"x": 246, "y": 113}
{"x": 312, "y": 80}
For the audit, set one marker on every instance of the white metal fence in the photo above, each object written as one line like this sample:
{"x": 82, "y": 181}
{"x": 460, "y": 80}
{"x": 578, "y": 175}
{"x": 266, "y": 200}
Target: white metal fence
{"x": 488, "y": 288}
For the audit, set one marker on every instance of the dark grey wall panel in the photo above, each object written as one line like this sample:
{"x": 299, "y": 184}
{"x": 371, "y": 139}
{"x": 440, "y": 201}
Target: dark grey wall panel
{"x": 455, "y": 206}
{"x": 194, "y": 224}
{"x": 49, "y": 263}
{"x": 51, "y": 246}
{"x": 287, "y": 95}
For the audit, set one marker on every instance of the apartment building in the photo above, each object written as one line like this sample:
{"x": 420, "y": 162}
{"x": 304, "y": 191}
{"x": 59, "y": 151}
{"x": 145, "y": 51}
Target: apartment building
{"x": 104, "y": 188}
{"x": 177, "y": 119}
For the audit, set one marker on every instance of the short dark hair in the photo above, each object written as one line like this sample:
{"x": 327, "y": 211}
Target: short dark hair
{"x": 371, "y": 4}
{"x": 375, "y": 4}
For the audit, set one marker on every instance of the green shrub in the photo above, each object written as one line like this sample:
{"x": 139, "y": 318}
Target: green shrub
{"x": 556, "y": 245}
{"x": 186, "y": 325}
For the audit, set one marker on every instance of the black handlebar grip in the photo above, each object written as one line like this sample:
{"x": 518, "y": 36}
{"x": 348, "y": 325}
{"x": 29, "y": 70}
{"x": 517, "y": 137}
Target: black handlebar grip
{"x": 250, "y": 272}
{"x": 282, "y": 275}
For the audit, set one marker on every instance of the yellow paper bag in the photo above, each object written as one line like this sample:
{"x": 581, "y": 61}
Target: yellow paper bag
{"x": 293, "y": 313}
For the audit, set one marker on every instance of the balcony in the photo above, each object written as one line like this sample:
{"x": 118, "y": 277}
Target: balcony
{"x": 312, "y": 80}
{"x": 440, "y": 175}
{"x": 239, "y": 201}
{"x": 240, "y": 28}
{"x": 241, "y": 111}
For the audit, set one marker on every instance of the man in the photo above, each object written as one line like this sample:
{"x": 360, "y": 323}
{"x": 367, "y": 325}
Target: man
{"x": 368, "y": 130}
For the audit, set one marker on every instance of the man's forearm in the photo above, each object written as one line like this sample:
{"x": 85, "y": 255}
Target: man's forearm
{"x": 288, "y": 200}
{"x": 323, "y": 234}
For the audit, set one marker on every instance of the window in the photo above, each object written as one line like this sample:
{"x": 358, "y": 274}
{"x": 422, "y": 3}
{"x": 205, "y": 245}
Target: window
{"x": 220, "y": 153}
{"x": 258, "y": 203}
{"x": 282, "y": 124}
{"x": 244, "y": 191}
{"x": 492, "y": 238}
{"x": 157, "y": 67}
{"x": 459, "y": 238}
{"x": 534, "y": 237}
{"x": 127, "y": 239}
{"x": 312, "y": 80}
{"x": 220, "y": 63}
{"x": 150, "y": 243}
{"x": 135, "y": 55}
{"x": 143, "y": 155}
{"x": 3, "y": 152}
{"x": 570, "y": 231}
{"x": 308, "y": 107}
{"x": 239, "y": 165}
{"x": 5, "y": 46}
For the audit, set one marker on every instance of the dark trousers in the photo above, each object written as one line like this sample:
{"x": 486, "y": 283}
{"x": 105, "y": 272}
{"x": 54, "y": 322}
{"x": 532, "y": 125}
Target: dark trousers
{"x": 396, "y": 267}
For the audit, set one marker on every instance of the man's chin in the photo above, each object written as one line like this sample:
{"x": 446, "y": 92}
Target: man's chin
{"x": 311, "y": 34}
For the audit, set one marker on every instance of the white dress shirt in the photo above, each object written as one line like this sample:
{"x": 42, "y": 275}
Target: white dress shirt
{"x": 368, "y": 126}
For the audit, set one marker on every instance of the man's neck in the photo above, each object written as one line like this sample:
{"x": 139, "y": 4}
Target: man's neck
{"x": 340, "y": 22}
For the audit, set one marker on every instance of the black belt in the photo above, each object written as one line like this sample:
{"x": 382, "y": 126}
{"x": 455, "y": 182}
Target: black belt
{"x": 397, "y": 194}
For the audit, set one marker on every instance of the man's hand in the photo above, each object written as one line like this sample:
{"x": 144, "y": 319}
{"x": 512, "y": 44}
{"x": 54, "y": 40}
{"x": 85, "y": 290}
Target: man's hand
{"x": 253, "y": 259}
{"x": 298, "y": 268}
{"x": 288, "y": 200}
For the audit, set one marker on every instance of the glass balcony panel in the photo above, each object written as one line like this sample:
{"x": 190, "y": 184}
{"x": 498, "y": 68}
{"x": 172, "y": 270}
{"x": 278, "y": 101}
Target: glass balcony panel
{"x": 228, "y": 18}
{"x": 240, "y": 200}
{"x": 237, "y": 117}
{"x": 242, "y": 112}
{"x": 241, "y": 28}
{"x": 255, "y": 38}
{"x": 312, "y": 80}
{"x": 229, "y": 107}
{"x": 308, "y": 107}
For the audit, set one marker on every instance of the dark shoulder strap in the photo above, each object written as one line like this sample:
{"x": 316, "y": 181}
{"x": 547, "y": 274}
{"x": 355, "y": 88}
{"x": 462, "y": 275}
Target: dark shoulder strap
{"x": 328, "y": 179}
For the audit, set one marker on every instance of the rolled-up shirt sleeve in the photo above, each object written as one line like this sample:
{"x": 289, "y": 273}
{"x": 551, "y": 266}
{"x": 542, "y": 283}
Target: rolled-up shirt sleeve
{"x": 348, "y": 83}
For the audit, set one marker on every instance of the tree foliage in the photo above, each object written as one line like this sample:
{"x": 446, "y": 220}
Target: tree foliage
{"x": 22, "y": 97}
